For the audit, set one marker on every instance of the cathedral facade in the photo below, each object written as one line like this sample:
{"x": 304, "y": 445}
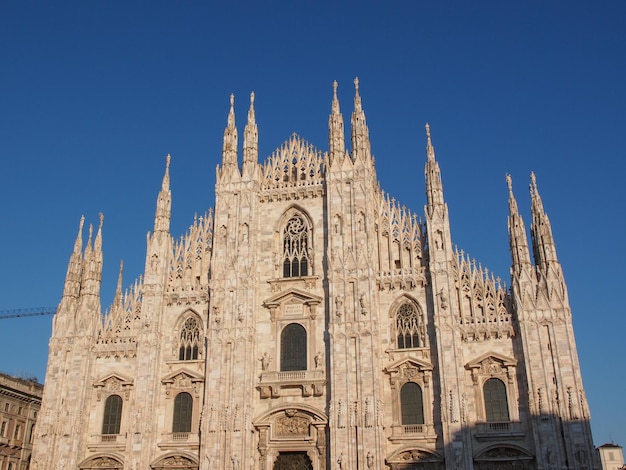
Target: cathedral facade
{"x": 310, "y": 321}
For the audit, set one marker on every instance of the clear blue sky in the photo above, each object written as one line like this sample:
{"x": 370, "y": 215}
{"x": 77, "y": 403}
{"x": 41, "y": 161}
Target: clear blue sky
{"x": 93, "y": 95}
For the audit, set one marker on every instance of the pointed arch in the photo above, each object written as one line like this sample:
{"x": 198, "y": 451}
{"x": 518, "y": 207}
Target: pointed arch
{"x": 409, "y": 329}
{"x": 190, "y": 332}
{"x": 296, "y": 242}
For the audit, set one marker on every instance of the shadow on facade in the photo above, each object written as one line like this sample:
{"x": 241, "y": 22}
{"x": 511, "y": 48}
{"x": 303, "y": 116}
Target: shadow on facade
{"x": 539, "y": 443}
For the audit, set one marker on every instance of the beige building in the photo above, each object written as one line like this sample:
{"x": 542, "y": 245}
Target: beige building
{"x": 20, "y": 401}
{"x": 310, "y": 321}
{"x": 611, "y": 456}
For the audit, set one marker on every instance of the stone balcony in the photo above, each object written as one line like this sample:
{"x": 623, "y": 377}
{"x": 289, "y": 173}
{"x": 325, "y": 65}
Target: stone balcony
{"x": 178, "y": 440}
{"x": 499, "y": 430}
{"x": 107, "y": 441}
{"x": 404, "y": 432}
{"x": 304, "y": 383}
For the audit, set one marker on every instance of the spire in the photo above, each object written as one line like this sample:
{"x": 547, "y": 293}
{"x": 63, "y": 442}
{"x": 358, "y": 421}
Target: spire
{"x": 360, "y": 132}
{"x": 92, "y": 262}
{"x": 117, "y": 300}
{"x": 517, "y": 233}
{"x": 250, "y": 137}
{"x": 229, "y": 150}
{"x": 336, "y": 135}
{"x": 75, "y": 265}
{"x": 434, "y": 187}
{"x": 164, "y": 202}
{"x": 544, "y": 249}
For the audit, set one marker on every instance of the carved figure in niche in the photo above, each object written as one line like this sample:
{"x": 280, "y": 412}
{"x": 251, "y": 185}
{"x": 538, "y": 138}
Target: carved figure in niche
{"x": 265, "y": 361}
{"x": 319, "y": 359}
{"x": 240, "y": 312}
{"x": 244, "y": 233}
{"x": 207, "y": 463}
{"x": 339, "y": 305}
{"x": 340, "y": 461}
{"x": 154, "y": 262}
{"x": 369, "y": 459}
{"x": 223, "y": 231}
{"x": 216, "y": 315}
{"x": 439, "y": 240}
{"x": 360, "y": 224}
{"x": 443, "y": 300}
{"x": 341, "y": 414}
{"x": 363, "y": 304}
{"x": 337, "y": 224}
{"x": 235, "y": 462}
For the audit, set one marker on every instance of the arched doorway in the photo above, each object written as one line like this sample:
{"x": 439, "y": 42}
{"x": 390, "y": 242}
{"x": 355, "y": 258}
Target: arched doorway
{"x": 293, "y": 461}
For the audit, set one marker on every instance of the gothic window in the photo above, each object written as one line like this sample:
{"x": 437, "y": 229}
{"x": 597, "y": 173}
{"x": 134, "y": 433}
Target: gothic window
{"x": 112, "y": 415}
{"x": 496, "y": 403}
{"x": 408, "y": 326}
{"x": 293, "y": 348}
{"x": 189, "y": 340}
{"x": 411, "y": 404}
{"x": 296, "y": 247}
{"x": 183, "y": 408}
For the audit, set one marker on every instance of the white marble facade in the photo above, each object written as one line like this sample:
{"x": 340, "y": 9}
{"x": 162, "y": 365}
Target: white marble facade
{"x": 309, "y": 320}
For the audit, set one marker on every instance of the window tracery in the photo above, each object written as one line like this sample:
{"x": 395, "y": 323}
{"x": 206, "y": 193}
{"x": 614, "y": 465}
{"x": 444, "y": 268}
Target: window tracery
{"x": 189, "y": 340}
{"x": 409, "y": 328}
{"x": 296, "y": 247}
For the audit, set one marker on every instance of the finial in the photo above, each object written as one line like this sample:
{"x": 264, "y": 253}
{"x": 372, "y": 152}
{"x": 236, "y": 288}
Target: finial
{"x": 251, "y": 98}
{"x": 356, "y": 84}
{"x": 167, "y": 160}
{"x": 509, "y": 182}
{"x": 335, "y": 86}
{"x": 232, "y": 100}
{"x": 427, "y": 126}
{"x": 101, "y": 217}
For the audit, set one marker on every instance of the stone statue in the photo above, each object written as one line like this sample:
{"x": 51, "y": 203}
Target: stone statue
{"x": 235, "y": 462}
{"x": 265, "y": 361}
{"x": 370, "y": 459}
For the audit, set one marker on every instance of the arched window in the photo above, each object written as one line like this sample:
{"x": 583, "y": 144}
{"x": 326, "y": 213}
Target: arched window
{"x": 183, "y": 409}
{"x": 293, "y": 348}
{"x": 112, "y": 415}
{"x": 408, "y": 326}
{"x": 411, "y": 404}
{"x": 296, "y": 248}
{"x": 189, "y": 340}
{"x": 496, "y": 403}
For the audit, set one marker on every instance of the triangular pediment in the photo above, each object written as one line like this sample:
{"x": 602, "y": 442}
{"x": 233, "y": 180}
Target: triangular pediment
{"x": 292, "y": 296}
{"x": 505, "y": 361}
{"x": 182, "y": 375}
{"x": 111, "y": 379}
{"x": 409, "y": 363}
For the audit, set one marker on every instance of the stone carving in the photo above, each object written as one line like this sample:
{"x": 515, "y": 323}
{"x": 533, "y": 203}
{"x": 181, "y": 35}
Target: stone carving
{"x": 339, "y": 305}
{"x": 340, "y": 461}
{"x": 369, "y": 459}
{"x": 265, "y": 361}
{"x": 292, "y": 425}
{"x": 341, "y": 414}
{"x": 235, "y": 462}
{"x": 364, "y": 304}
{"x": 318, "y": 359}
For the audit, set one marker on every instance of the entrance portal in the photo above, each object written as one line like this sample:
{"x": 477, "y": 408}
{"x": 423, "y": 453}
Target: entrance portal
{"x": 293, "y": 461}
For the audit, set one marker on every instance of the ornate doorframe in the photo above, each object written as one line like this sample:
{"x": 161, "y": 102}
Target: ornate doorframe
{"x": 292, "y": 428}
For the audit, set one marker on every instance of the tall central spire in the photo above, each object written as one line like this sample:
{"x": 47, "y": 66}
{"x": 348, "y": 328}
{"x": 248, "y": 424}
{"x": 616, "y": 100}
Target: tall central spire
{"x": 434, "y": 187}
{"x": 229, "y": 150}
{"x": 164, "y": 202}
{"x": 336, "y": 135}
{"x": 250, "y": 138}
{"x": 360, "y": 132}
{"x": 517, "y": 234}
{"x": 544, "y": 249}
